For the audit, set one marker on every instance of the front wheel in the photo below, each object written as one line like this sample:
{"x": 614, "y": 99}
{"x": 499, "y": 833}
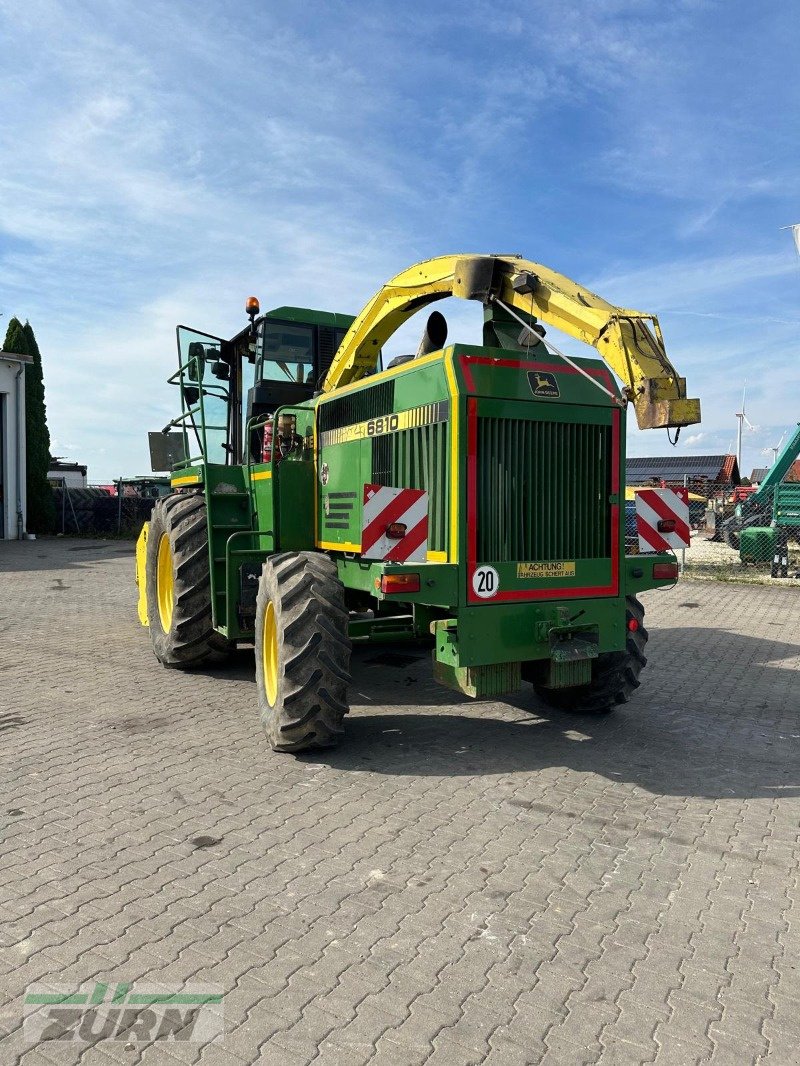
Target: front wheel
{"x": 615, "y": 674}
{"x": 302, "y": 651}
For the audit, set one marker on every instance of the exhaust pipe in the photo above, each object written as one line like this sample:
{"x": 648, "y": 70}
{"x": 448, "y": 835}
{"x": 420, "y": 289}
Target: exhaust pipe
{"x": 434, "y": 336}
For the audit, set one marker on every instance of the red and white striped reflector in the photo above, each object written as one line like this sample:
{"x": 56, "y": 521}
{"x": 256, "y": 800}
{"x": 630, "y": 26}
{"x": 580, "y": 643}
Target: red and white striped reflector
{"x": 386, "y": 511}
{"x": 664, "y": 506}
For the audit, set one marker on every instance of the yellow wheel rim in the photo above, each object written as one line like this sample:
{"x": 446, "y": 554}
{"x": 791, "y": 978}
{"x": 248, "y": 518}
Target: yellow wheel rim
{"x": 269, "y": 654}
{"x": 165, "y": 583}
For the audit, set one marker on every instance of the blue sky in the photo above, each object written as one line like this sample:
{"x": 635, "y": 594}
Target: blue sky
{"x": 160, "y": 162}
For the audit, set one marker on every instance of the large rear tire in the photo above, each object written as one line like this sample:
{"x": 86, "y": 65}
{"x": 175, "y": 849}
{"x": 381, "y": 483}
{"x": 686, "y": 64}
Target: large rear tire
{"x": 302, "y": 651}
{"x": 179, "y": 585}
{"x": 615, "y": 675}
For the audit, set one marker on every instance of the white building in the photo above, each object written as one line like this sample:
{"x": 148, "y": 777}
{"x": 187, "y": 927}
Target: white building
{"x": 64, "y": 474}
{"x": 13, "y": 464}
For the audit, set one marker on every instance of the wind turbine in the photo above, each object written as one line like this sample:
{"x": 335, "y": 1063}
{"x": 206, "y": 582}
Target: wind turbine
{"x": 743, "y": 420}
{"x": 775, "y": 449}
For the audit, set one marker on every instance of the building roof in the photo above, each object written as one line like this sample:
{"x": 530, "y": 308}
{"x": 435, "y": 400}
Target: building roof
{"x": 792, "y": 474}
{"x": 16, "y": 357}
{"x": 63, "y": 465}
{"x": 674, "y": 467}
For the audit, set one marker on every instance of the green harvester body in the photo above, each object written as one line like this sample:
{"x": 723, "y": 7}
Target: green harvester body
{"x": 522, "y": 458}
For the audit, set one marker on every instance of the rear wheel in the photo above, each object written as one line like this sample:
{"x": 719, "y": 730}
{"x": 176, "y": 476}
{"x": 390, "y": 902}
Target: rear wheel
{"x": 615, "y": 675}
{"x": 302, "y": 651}
{"x": 179, "y": 586}
{"x": 731, "y": 535}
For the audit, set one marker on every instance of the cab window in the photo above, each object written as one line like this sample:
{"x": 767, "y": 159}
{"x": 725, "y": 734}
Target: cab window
{"x": 287, "y": 353}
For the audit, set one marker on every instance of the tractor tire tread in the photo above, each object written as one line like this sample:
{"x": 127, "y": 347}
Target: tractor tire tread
{"x": 313, "y": 651}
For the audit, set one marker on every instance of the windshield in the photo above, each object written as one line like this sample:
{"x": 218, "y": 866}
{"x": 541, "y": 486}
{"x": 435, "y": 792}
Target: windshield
{"x": 287, "y": 353}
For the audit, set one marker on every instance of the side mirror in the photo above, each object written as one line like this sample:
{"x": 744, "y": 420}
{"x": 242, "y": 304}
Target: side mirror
{"x": 197, "y": 361}
{"x": 221, "y": 370}
{"x": 191, "y": 395}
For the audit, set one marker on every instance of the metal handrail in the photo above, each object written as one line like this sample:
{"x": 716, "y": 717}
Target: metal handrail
{"x": 189, "y": 411}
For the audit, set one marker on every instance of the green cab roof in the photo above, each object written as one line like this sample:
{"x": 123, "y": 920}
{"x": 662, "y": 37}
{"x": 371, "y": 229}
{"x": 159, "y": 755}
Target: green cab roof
{"x": 311, "y": 317}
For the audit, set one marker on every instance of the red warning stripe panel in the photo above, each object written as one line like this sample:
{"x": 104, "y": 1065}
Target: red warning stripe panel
{"x": 656, "y": 506}
{"x": 667, "y": 509}
{"x": 392, "y": 512}
{"x": 385, "y": 506}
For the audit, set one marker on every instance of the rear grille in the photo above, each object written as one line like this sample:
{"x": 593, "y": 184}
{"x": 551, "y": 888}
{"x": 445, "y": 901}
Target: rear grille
{"x": 417, "y": 459}
{"x": 543, "y": 490}
{"x": 326, "y": 349}
{"x": 357, "y": 406}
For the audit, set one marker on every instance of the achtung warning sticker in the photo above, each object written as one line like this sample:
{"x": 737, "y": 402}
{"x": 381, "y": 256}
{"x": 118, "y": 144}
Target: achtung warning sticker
{"x": 526, "y": 571}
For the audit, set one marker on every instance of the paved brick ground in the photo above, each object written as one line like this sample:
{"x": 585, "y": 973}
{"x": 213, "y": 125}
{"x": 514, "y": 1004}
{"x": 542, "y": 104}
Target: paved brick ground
{"x": 460, "y": 883}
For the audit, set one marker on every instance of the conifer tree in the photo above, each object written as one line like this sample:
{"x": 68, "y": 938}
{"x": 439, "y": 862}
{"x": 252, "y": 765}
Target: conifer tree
{"x": 41, "y": 507}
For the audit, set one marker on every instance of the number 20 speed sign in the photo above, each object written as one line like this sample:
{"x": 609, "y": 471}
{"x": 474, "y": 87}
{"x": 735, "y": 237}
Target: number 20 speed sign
{"x": 485, "y": 582}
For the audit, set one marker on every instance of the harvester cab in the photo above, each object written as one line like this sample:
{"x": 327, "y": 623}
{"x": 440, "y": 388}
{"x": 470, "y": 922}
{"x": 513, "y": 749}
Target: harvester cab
{"x": 294, "y": 348}
{"x": 279, "y": 359}
{"x": 471, "y": 495}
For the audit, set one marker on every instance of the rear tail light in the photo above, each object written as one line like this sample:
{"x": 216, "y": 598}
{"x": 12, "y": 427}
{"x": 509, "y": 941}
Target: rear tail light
{"x": 400, "y": 583}
{"x": 633, "y": 625}
{"x": 396, "y": 530}
{"x": 666, "y": 525}
{"x": 665, "y": 571}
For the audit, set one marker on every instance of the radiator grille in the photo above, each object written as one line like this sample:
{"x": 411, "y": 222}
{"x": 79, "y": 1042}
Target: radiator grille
{"x": 417, "y": 459}
{"x": 543, "y": 490}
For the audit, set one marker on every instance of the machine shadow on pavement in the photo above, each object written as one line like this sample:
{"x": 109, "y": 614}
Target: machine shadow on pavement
{"x": 682, "y": 746}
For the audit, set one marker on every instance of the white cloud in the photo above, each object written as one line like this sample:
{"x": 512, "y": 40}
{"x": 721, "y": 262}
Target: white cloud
{"x": 162, "y": 162}
{"x": 694, "y": 285}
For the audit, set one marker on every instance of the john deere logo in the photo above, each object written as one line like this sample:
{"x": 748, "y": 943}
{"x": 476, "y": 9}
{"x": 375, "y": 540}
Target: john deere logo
{"x": 543, "y": 384}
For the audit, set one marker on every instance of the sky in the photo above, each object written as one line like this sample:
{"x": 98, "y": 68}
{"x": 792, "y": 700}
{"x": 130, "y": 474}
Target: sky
{"x": 159, "y": 162}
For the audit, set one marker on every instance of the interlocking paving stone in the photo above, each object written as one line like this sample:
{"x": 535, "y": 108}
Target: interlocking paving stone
{"x": 460, "y": 882}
